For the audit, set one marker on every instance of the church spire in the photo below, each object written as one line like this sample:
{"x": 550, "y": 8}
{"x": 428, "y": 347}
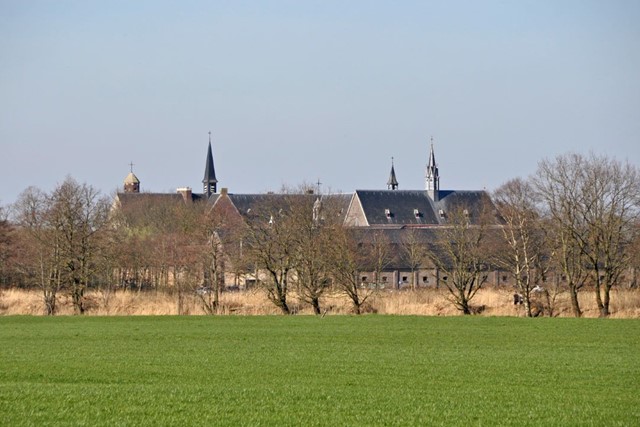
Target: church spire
{"x": 432, "y": 177}
{"x": 210, "y": 183}
{"x": 392, "y": 184}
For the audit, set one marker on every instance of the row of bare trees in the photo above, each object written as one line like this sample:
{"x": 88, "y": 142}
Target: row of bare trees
{"x": 577, "y": 218}
{"x": 61, "y": 241}
{"x": 298, "y": 242}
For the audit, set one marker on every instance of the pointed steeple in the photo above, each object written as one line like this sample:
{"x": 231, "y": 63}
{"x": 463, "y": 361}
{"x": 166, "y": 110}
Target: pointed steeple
{"x": 210, "y": 183}
{"x": 432, "y": 177}
{"x": 392, "y": 183}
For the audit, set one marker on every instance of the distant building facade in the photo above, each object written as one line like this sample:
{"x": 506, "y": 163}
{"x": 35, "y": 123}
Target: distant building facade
{"x": 391, "y": 211}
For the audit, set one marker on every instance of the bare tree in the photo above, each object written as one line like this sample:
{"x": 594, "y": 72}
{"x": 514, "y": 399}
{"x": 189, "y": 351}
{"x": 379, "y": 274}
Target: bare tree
{"x": 634, "y": 253}
{"x": 270, "y": 239}
{"x": 462, "y": 254}
{"x": 595, "y": 201}
{"x": 413, "y": 252}
{"x": 80, "y": 214}
{"x": 40, "y": 259}
{"x": 557, "y": 184}
{"x": 375, "y": 254}
{"x": 221, "y": 233}
{"x": 347, "y": 258}
{"x": 526, "y": 253}
{"x": 7, "y": 244}
{"x": 315, "y": 223}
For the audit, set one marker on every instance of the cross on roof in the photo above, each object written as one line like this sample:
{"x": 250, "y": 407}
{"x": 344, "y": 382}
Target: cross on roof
{"x": 131, "y": 166}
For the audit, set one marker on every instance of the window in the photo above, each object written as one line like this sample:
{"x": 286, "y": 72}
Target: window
{"x": 425, "y": 279}
{"x": 504, "y": 278}
{"x": 387, "y": 213}
{"x": 404, "y": 279}
{"x": 384, "y": 278}
{"x": 364, "y": 278}
{"x": 444, "y": 278}
{"x": 441, "y": 213}
{"x": 416, "y": 213}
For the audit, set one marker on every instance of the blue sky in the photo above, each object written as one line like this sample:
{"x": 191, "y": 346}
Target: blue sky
{"x": 296, "y": 91}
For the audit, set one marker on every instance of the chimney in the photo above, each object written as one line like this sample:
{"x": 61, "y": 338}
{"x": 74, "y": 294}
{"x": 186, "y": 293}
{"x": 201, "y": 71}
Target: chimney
{"x": 224, "y": 191}
{"x": 185, "y": 192}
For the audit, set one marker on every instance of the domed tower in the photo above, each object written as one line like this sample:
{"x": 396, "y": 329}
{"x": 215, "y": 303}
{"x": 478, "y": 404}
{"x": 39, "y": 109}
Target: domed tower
{"x": 131, "y": 182}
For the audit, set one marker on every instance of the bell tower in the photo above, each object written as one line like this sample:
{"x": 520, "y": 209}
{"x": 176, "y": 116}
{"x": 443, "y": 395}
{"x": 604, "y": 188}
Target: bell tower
{"x": 131, "y": 182}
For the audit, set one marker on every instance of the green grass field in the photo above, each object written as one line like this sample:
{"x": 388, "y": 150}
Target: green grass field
{"x": 297, "y": 370}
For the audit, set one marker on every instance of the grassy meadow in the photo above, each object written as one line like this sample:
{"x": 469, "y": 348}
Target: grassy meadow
{"x": 304, "y": 370}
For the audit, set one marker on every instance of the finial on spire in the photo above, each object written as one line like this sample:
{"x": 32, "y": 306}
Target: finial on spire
{"x": 131, "y": 167}
{"x": 210, "y": 137}
{"x": 318, "y": 184}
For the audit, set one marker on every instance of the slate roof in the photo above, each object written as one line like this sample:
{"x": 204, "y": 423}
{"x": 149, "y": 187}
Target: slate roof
{"x": 397, "y": 207}
{"x": 247, "y": 202}
{"x": 415, "y": 207}
{"x": 473, "y": 201}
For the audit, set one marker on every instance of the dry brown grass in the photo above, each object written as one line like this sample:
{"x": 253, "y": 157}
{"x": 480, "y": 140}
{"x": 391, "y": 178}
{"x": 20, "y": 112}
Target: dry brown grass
{"x": 625, "y": 303}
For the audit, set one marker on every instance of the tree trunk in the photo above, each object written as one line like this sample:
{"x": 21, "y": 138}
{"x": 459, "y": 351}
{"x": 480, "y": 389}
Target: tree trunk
{"x": 77, "y": 298}
{"x": 50, "y": 302}
{"x": 602, "y": 307}
{"x": 284, "y": 307}
{"x": 315, "y": 303}
{"x": 527, "y": 305}
{"x": 464, "y": 303}
{"x": 356, "y": 303}
{"x": 575, "y": 304}
{"x": 216, "y": 298}
{"x": 604, "y": 311}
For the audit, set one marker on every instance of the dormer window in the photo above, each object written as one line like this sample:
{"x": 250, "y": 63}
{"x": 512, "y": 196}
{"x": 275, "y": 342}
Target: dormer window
{"x": 416, "y": 213}
{"x": 465, "y": 213}
{"x": 387, "y": 213}
{"x": 441, "y": 213}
